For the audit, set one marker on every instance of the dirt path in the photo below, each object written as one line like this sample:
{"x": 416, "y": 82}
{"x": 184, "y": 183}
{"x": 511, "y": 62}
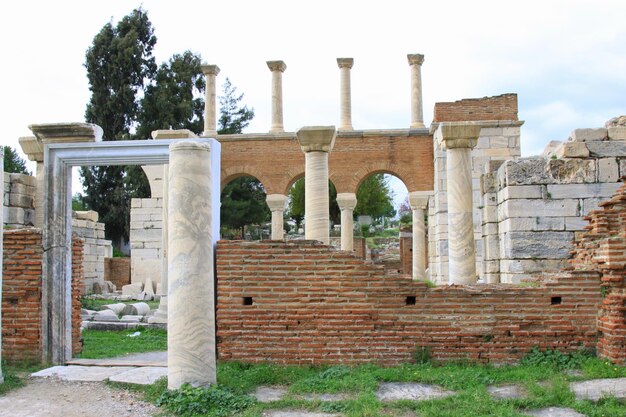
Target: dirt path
{"x": 51, "y": 397}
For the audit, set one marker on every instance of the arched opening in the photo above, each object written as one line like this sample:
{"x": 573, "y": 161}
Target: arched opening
{"x": 244, "y": 213}
{"x": 294, "y": 215}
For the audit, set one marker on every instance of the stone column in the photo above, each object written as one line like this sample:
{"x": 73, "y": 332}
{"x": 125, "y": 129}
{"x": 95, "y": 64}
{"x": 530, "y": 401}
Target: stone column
{"x": 316, "y": 142}
{"x": 419, "y": 201}
{"x": 191, "y": 312}
{"x": 277, "y": 68}
{"x": 417, "y": 114}
{"x": 458, "y": 139}
{"x": 345, "y": 64}
{"x": 1, "y": 254}
{"x": 277, "y": 204}
{"x": 210, "y": 125}
{"x": 347, "y": 203}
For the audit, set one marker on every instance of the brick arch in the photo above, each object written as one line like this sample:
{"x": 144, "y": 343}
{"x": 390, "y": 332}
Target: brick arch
{"x": 293, "y": 177}
{"x": 377, "y": 168}
{"x": 232, "y": 173}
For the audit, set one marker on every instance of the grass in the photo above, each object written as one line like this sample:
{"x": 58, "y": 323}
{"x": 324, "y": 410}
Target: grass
{"x": 15, "y": 373}
{"x": 107, "y": 344}
{"x": 90, "y": 303}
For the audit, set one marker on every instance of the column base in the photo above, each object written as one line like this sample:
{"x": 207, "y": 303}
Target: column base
{"x": 209, "y": 134}
{"x": 417, "y": 125}
{"x": 160, "y": 316}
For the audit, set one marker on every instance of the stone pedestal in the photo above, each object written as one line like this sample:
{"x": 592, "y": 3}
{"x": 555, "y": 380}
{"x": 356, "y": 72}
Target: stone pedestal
{"x": 277, "y": 204}
{"x": 210, "y": 126}
{"x": 347, "y": 203}
{"x": 417, "y": 113}
{"x": 191, "y": 312}
{"x": 458, "y": 139}
{"x": 316, "y": 142}
{"x": 345, "y": 101}
{"x": 277, "y": 68}
{"x": 419, "y": 202}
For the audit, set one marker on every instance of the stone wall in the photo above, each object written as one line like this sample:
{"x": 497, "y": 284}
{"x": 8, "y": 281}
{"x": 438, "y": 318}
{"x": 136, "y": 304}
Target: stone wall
{"x": 21, "y": 294}
{"x": 96, "y": 248}
{"x": 146, "y": 225}
{"x": 304, "y": 303}
{"x": 19, "y": 200}
{"x": 534, "y": 209}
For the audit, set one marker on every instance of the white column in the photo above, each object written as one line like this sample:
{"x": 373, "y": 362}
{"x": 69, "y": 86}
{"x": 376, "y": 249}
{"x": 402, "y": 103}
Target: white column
{"x": 210, "y": 125}
{"x": 1, "y": 254}
{"x": 191, "y": 310}
{"x": 277, "y": 68}
{"x": 347, "y": 203}
{"x": 458, "y": 138}
{"x": 417, "y": 113}
{"x": 316, "y": 142}
{"x": 419, "y": 201}
{"x": 345, "y": 100}
{"x": 277, "y": 204}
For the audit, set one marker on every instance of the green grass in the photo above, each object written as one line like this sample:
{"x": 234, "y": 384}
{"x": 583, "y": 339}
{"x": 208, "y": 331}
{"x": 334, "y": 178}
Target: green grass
{"x": 97, "y": 303}
{"x": 15, "y": 374}
{"x": 108, "y": 344}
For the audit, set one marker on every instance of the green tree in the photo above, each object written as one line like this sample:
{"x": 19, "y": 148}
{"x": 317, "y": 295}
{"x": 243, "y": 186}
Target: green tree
{"x": 13, "y": 162}
{"x": 296, "y": 203}
{"x": 374, "y": 198}
{"x": 243, "y": 203}
{"x": 234, "y": 118}
{"x": 118, "y": 64}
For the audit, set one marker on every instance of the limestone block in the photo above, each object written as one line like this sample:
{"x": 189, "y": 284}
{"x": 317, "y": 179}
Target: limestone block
{"x": 90, "y": 215}
{"x": 572, "y": 171}
{"x": 531, "y": 266}
{"x": 491, "y": 131}
{"x": 520, "y": 191}
{"x": 129, "y": 318}
{"x": 550, "y": 148}
{"x": 148, "y": 286}
{"x": 540, "y": 245}
{"x": 491, "y": 247}
{"x": 622, "y": 167}
{"x": 491, "y": 266}
{"x": 514, "y": 142}
{"x": 149, "y": 203}
{"x": 541, "y": 223}
{"x": 573, "y": 191}
{"x": 511, "y": 131}
{"x": 572, "y": 150}
{"x": 14, "y": 215}
{"x": 590, "y": 204}
{"x": 587, "y": 135}
{"x": 607, "y": 148}
{"x": 135, "y": 203}
{"x": 538, "y": 208}
{"x": 490, "y": 229}
{"x": 499, "y": 142}
{"x": 608, "y": 170}
{"x": 575, "y": 223}
{"x": 483, "y": 142}
{"x": 28, "y": 181}
{"x": 146, "y": 254}
{"x": 132, "y": 289}
{"x": 526, "y": 171}
{"x": 617, "y": 133}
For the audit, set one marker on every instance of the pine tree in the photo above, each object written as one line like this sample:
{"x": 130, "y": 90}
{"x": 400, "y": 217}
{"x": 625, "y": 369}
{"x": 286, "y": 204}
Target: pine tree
{"x": 13, "y": 162}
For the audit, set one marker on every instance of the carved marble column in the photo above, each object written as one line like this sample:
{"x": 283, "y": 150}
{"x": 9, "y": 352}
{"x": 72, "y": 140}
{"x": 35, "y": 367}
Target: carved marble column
{"x": 210, "y": 125}
{"x": 458, "y": 139}
{"x": 419, "y": 201}
{"x": 277, "y": 68}
{"x": 277, "y": 204}
{"x": 347, "y": 203}
{"x": 345, "y": 100}
{"x": 417, "y": 113}
{"x": 316, "y": 142}
{"x": 191, "y": 311}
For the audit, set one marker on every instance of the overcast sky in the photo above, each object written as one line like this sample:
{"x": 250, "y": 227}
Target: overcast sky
{"x": 566, "y": 60}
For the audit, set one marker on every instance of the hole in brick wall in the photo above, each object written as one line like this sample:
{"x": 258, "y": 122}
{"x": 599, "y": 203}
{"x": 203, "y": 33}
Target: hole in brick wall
{"x": 410, "y": 300}
{"x": 247, "y": 301}
{"x": 555, "y": 301}
{"x": 13, "y": 300}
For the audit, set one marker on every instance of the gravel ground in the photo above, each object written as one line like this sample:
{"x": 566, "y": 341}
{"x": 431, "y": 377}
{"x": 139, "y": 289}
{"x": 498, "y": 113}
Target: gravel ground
{"x": 48, "y": 397}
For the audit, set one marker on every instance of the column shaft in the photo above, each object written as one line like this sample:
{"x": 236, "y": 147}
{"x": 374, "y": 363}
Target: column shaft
{"x": 419, "y": 245}
{"x": 210, "y": 125}
{"x": 347, "y": 203}
{"x": 417, "y": 113}
{"x": 345, "y": 101}
{"x": 277, "y": 204}
{"x": 191, "y": 312}
{"x": 277, "y": 68}
{"x": 316, "y": 203}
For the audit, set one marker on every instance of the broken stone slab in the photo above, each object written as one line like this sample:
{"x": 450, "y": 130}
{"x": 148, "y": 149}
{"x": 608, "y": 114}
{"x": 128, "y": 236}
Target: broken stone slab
{"x": 145, "y": 375}
{"x": 607, "y": 148}
{"x": 596, "y": 389}
{"x": 393, "y": 391}
{"x": 132, "y": 289}
{"x": 117, "y": 307}
{"x": 572, "y": 150}
{"x": 573, "y": 170}
{"x": 588, "y": 135}
{"x": 129, "y": 318}
{"x": 554, "y": 412}
{"x": 136, "y": 309}
{"x": 148, "y": 287}
{"x": 550, "y": 148}
{"x": 143, "y": 296}
{"x": 96, "y": 288}
{"x": 324, "y": 397}
{"x": 267, "y": 394}
{"x": 105, "y": 315}
{"x": 505, "y": 392}
{"x": 82, "y": 373}
{"x": 109, "y": 287}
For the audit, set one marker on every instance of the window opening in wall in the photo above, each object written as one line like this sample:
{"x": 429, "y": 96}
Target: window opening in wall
{"x": 247, "y": 301}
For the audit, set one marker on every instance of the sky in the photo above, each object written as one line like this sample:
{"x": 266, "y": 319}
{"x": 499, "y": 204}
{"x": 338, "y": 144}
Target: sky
{"x": 566, "y": 60}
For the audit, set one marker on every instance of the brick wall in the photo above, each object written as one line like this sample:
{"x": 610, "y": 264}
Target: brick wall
{"x": 21, "y": 294}
{"x": 302, "y": 303}
{"x": 503, "y": 107}
{"x": 117, "y": 270}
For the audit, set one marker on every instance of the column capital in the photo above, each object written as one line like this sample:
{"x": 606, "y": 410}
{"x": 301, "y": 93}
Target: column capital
{"x": 210, "y": 69}
{"x": 317, "y": 138}
{"x": 346, "y": 201}
{"x": 67, "y": 132}
{"x": 276, "y": 202}
{"x": 345, "y": 62}
{"x": 419, "y": 199}
{"x": 415, "y": 59}
{"x": 458, "y": 134}
{"x": 32, "y": 147}
{"x": 277, "y": 66}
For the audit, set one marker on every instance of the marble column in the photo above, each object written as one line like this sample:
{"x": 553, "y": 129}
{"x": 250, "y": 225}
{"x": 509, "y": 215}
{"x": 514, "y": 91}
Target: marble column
{"x": 347, "y": 203}
{"x": 316, "y": 142}
{"x": 458, "y": 139}
{"x": 277, "y": 204}
{"x": 191, "y": 310}
{"x": 345, "y": 100}
{"x": 210, "y": 125}
{"x": 1, "y": 254}
{"x": 417, "y": 113}
{"x": 277, "y": 68}
{"x": 419, "y": 201}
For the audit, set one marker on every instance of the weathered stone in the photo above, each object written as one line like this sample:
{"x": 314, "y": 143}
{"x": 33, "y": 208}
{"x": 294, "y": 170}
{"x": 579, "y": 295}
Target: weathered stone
{"x": 538, "y": 208}
{"x": 596, "y": 389}
{"x": 520, "y": 191}
{"x": 541, "y": 245}
{"x": 97, "y": 288}
{"x": 536, "y": 224}
{"x": 144, "y": 375}
{"x": 117, "y": 308}
{"x": 617, "y": 133}
{"x": 105, "y": 315}
{"x": 82, "y": 373}
{"x": 622, "y": 167}
{"x": 137, "y": 309}
{"x": 572, "y": 171}
{"x": 608, "y": 170}
{"x": 530, "y": 266}
{"x": 505, "y": 392}
{"x": 554, "y": 412}
{"x": 525, "y": 171}
{"x": 616, "y": 121}
{"x": 607, "y": 148}
{"x": 586, "y": 135}
{"x": 129, "y": 318}
{"x": 108, "y": 287}
{"x": 132, "y": 289}
{"x": 572, "y": 150}
{"x": 550, "y": 148}
{"x": 267, "y": 394}
{"x": 393, "y": 391}
{"x": 575, "y": 191}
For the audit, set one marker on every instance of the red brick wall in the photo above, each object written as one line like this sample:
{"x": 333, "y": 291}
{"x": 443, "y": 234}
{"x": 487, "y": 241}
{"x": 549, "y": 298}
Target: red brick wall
{"x": 503, "y": 107}
{"x": 602, "y": 251}
{"x": 310, "y": 304}
{"x": 21, "y": 294}
{"x": 117, "y": 270}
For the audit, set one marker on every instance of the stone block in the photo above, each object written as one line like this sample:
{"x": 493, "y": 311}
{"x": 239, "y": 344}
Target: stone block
{"x": 520, "y": 191}
{"x": 587, "y": 135}
{"x": 21, "y": 200}
{"x": 511, "y": 131}
{"x": 145, "y": 235}
{"x": 550, "y": 148}
{"x": 537, "y": 208}
{"x": 532, "y": 266}
{"x": 145, "y": 254}
{"x": 540, "y": 245}
{"x": 617, "y": 133}
{"x": 591, "y": 204}
{"x": 526, "y": 171}
{"x": 132, "y": 289}
{"x": 149, "y": 203}
{"x": 622, "y": 167}
{"x": 135, "y": 203}
{"x": 491, "y": 266}
{"x": 536, "y": 224}
{"x": 608, "y": 170}
{"x": 574, "y": 191}
{"x": 572, "y": 171}
{"x": 572, "y": 150}
{"x": 499, "y": 142}
{"x": 575, "y": 223}
{"x": 607, "y": 148}
{"x": 491, "y": 131}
